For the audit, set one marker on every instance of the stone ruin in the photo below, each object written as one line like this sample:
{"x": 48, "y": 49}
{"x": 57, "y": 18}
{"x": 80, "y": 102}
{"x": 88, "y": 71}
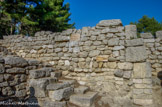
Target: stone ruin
{"x": 102, "y": 66}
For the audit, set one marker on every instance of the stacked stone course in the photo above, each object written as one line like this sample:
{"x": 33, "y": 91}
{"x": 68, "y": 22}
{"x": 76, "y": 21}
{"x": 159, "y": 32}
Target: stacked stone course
{"x": 108, "y": 58}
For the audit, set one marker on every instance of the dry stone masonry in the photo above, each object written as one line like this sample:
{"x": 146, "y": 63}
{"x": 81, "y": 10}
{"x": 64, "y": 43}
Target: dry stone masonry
{"x": 108, "y": 58}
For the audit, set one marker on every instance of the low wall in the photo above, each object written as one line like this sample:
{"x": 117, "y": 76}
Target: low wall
{"x": 108, "y": 57}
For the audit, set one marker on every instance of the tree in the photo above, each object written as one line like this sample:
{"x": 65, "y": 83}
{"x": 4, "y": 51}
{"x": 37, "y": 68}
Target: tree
{"x": 52, "y": 15}
{"x": 29, "y": 16}
{"x": 18, "y": 16}
{"x": 146, "y": 24}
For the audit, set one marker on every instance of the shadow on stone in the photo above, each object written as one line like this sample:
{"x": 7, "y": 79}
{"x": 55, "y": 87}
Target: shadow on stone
{"x": 159, "y": 75}
{"x": 32, "y": 100}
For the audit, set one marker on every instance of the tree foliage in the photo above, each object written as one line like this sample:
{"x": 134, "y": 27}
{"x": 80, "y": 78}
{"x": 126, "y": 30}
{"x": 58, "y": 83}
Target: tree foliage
{"x": 29, "y": 16}
{"x": 146, "y": 24}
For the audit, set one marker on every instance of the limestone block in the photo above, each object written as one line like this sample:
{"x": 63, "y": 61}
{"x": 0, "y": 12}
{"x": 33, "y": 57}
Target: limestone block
{"x": 127, "y": 74}
{"x": 15, "y": 70}
{"x": 21, "y": 93}
{"x": 136, "y": 54}
{"x": 62, "y": 38}
{"x": 83, "y": 100}
{"x": 103, "y": 58}
{"x": 1, "y": 78}
{"x": 149, "y": 40}
{"x": 116, "y": 48}
{"x": 94, "y": 53}
{"x": 146, "y": 35}
{"x": 134, "y": 42}
{"x": 125, "y": 66}
{"x": 107, "y": 23}
{"x": 131, "y": 31}
{"x": 83, "y": 54}
{"x": 113, "y": 42}
{"x": 2, "y": 68}
{"x": 97, "y": 43}
{"x": 49, "y": 103}
{"x": 81, "y": 89}
{"x": 61, "y": 94}
{"x": 111, "y": 65}
{"x": 142, "y": 70}
{"x": 39, "y": 87}
{"x": 144, "y": 102}
{"x": 106, "y": 30}
{"x": 7, "y": 91}
{"x": 85, "y": 30}
{"x": 15, "y": 61}
{"x": 118, "y": 73}
{"x": 159, "y": 34}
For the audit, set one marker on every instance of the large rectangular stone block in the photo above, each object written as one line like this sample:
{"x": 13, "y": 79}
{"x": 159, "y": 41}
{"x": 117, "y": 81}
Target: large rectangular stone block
{"x": 131, "y": 31}
{"x": 136, "y": 54}
{"x": 142, "y": 70}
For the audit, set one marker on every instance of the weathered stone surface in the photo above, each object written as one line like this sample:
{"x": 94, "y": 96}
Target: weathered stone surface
{"x": 131, "y": 31}
{"x": 1, "y": 59}
{"x": 85, "y": 30}
{"x": 4, "y": 84}
{"x": 146, "y": 35}
{"x": 2, "y": 69}
{"x": 134, "y": 42}
{"x": 60, "y": 94}
{"x": 39, "y": 87}
{"x": 83, "y": 100}
{"x": 94, "y": 53}
{"x": 102, "y": 58}
{"x": 54, "y": 104}
{"x": 15, "y": 70}
{"x": 21, "y": 93}
{"x": 116, "y": 48}
{"x": 127, "y": 74}
{"x": 1, "y": 78}
{"x": 149, "y": 40}
{"x": 113, "y": 42}
{"x": 83, "y": 54}
{"x": 118, "y": 73}
{"x": 33, "y": 62}
{"x": 62, "y": 38}
{"x": 15, "y": 61}
{"x": 7, "y": 91}
{"x": 57, "y": 86}
{"x": 111, "y": 65}
{"x": 135, "y": 54}
{"x": 143, "y": 102}
{"x": 56, "y": 74}
{"x": 75, "y": 37}
{"x": 81, "y": 89}
{"x": 43, "y": 72}
{"x": 20, "y": 86}
{"x": 125, "y": 66}
{"x": 159, "y": 34}
{"x": 142, "y": 70}
{"x": 107, "y": 23}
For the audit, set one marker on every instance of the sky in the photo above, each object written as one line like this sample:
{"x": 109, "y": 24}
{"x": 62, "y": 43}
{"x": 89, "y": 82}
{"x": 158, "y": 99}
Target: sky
{"x": 89, "y": 12}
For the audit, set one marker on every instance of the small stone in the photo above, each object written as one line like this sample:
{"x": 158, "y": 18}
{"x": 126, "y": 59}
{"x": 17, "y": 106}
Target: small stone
{"x": 94, "y": 53}
{"x": 15, "y": 70}
{"x": 21, "y": 93}
{"x": 113, "y": 42}
{"x": 2, "y": 69}
{"x": 118, "y": 73}
{"x": 127, "y": 74}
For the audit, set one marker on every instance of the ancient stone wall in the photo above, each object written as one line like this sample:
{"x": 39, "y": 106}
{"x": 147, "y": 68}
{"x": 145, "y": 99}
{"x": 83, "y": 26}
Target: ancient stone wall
{"x": 109, "y": 58}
